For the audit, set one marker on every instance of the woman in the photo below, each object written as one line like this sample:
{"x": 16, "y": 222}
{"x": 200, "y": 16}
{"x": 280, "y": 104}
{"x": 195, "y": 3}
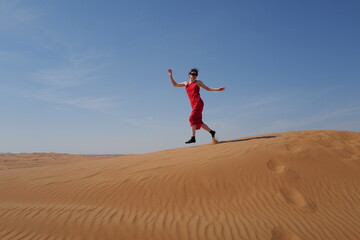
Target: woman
{"x": 197, "y": 104}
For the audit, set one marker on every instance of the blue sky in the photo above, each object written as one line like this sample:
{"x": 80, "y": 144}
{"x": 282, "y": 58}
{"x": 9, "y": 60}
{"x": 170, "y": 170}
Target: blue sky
{"x": 91, "y": 76}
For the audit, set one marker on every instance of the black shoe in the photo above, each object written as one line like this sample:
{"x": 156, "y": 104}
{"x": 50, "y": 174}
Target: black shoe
{"x": 212, "y": 133}
{"x": 192, "y": 140}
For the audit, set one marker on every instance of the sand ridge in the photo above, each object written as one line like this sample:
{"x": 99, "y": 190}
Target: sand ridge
{"x": 292, "y": 185}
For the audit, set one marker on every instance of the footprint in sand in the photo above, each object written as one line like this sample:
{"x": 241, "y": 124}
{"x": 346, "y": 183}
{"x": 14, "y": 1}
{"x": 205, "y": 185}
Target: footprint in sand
{"x": 298, "y": 200}
{"x": 280, "y": 169}
{"x": 279, "y": 233}
{"x": 276, "y": 166}
{"x": 291, "y": 195}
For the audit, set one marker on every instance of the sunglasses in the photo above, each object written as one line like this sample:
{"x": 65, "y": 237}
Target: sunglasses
{"x": 193, "y": 74}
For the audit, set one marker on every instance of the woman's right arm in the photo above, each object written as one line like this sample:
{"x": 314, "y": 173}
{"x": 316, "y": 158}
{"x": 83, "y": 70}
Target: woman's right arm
{"x": 175, "y": 84}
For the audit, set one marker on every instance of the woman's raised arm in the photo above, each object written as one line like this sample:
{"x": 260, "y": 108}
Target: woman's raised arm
{"x": 175, "y": 84}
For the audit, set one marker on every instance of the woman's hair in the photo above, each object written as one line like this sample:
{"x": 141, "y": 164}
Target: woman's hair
{"x": 194, "y": 70}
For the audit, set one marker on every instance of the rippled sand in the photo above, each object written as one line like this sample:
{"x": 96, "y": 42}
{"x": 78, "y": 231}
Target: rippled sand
{"x": 292, "y": 185}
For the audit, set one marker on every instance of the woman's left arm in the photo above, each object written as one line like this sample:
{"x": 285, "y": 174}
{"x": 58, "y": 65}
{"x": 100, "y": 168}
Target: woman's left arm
{"x": 201, "y": 84}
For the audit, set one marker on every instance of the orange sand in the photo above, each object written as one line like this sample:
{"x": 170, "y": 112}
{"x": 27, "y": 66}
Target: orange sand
{"x": 292, "y": 185}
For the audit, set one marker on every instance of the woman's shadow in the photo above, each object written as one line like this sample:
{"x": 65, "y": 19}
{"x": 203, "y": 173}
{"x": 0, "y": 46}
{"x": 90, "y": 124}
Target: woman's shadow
{"x": 248, "y": 139}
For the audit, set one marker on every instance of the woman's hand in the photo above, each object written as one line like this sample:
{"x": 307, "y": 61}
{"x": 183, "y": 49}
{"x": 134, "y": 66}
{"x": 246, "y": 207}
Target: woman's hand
{"x": 170, "y": 72}
{"x": 221, "y": 88}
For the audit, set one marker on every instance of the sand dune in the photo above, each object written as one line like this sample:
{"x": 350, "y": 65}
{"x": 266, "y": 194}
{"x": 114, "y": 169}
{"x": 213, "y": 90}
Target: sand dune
{"x": 284, "y": 186}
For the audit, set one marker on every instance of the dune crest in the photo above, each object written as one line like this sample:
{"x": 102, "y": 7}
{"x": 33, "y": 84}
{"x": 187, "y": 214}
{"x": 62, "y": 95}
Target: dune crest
{"x": 283, "y": 186}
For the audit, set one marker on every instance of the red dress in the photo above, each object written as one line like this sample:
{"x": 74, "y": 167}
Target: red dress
{"x": 197, "y": 104}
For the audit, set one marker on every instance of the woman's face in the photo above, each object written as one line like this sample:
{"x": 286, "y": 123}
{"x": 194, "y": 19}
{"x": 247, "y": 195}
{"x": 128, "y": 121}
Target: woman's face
{"x": 193, "y": 75}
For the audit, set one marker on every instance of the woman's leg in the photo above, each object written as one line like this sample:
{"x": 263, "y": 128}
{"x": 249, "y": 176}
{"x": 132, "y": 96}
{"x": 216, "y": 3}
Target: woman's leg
{"x": 193, "y": 132}
{"x": 204, "y": 126}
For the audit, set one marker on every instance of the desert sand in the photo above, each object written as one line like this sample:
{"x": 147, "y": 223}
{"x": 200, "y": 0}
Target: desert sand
{"x": 283, "y": 186}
